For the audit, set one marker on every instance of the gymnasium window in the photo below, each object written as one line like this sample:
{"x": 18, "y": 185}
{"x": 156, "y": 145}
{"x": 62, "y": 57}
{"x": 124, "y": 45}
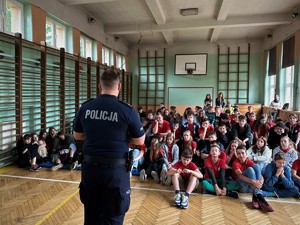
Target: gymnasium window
{"x": 13, "y": 19}
{"x": 86, "y": 47}
{"x": 107, "y": 56}
{"x": 55, "y": 34}
{"x": 120, "y": 61}
{"x": 289, "y": 86}
{"x": 272, "y": 88}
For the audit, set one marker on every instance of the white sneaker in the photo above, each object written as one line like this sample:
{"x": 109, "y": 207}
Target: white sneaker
{"x": 184, "y": 201}
{"x": 177, "y": 199}
{"x": 155, "y": 177}
{"x": 143, "y": 176}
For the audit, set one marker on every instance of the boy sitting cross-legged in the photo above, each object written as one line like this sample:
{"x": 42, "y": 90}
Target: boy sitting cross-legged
{"x": 214, "y": 182}
{"x": 184, "y": 173}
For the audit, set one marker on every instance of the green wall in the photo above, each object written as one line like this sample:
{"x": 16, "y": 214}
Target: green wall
{"x": 256, "y": 77}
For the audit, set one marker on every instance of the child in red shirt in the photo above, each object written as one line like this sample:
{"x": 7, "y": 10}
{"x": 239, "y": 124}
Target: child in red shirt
{"x": 185, "y": 176}
{"x": 214, "y": 182}
{"x": 248, "y": 175}
{"x": 296, "y": 171}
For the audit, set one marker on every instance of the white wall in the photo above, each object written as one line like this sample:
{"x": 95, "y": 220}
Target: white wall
{"x": 76, "y": 17}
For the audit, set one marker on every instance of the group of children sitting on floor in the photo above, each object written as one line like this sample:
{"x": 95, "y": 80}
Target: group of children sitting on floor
{"x": 54, "y": 149}
{"x": 227, "y": 155}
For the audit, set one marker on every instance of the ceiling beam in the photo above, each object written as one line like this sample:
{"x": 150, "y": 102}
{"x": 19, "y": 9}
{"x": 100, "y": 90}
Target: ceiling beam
{"x": 238, "y": 21}
{"x": 159, "y": 17}
{"x": 223, "y": 9}
{"x": 215, "y": 34}
{"x": 80, "y": 2}
{"x": 168, "y": 37}
{"x": 221, "y": 12}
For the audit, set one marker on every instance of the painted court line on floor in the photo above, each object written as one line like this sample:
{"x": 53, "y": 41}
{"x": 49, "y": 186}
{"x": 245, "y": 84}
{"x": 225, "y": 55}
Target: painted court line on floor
{"x": 36, "y": 178}
{"x": 56, "y": 208}
{"x": 140, "y": 188}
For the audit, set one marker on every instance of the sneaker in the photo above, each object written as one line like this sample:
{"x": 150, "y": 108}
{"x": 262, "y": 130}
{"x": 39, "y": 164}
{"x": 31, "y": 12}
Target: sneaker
{"x": 56, "y": 167}
{"x": 264, "y": 205}
{"x": 163, "y": 176}
{"x": 232, "y": 194}
{"x": 35, "y": 168}
{"x": 184, "y": 201}
{"x": 255, "y": 204}
{"x": 168, "y": 181}
{"x": 73, "y": 165}
{"x": 155, "y": 177}
{"x": 177, "y": 199}
{"x": 143, "y": 175}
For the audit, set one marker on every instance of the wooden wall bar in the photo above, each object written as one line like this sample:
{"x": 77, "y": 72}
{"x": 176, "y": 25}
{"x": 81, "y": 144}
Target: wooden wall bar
{"x": 41, "y": 87}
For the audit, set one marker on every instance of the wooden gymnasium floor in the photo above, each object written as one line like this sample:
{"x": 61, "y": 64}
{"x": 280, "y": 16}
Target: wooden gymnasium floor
{"x": 47, "y": 197}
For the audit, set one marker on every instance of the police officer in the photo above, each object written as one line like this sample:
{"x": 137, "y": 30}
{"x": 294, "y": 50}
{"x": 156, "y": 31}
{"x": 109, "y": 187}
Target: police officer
{"x": 104, "y": 124}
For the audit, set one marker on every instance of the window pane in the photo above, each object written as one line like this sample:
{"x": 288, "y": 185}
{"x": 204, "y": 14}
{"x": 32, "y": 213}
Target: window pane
{"x": 13, "y": 17}
{"x": 119, "y": 61}
{"x": 106, "y": 56}
{"x": 60, "y": 36}
{"x": 49, "y": 33}
{"x": 82, "y": 49}
{"x": 124, "y": 62}
{"x": 88, "y": 48}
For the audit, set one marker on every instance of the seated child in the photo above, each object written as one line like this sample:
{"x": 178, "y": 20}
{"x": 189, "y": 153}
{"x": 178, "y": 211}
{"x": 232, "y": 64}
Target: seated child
{"x": 223, "y": 136}
{"x": 296, "y": 171}
{"x": 214, "y": 181}
{"x": 153, "y": 161}
{"x": 278, "y": 178}
{"x": 27, "y": 153}
{"x": 260, "y": 153}
{"x": 211, "y": 115}
{"x": 248, "y": 175}
{"x": 287, "y": 149}
{"x": 187, "y": 143}
{"x": 184, "y": 173}
{"x": 65, "y": 151}
{"x": 64, "y": 157}
{"x": 41, "y": 148}
{"x": 191, "y": 125}
{"x": 212, "y": 138}
{"x": 171, "y": 156}
{"x": 138, "y": 152}
{"x": 205, "y": 128}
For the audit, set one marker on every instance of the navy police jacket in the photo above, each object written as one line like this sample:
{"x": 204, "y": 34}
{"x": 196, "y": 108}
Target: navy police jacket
{"x": 106, "y": 123}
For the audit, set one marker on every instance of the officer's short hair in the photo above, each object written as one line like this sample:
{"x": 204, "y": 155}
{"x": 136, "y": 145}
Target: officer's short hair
{"x": 109, "y": 78}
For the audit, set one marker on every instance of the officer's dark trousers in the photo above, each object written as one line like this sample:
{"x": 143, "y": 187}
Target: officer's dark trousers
{"x": 105, "y": 193}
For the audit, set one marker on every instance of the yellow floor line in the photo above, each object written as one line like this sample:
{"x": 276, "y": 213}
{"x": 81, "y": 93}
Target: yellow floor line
{"x": 56, "y": 208}
{"x": 6, "y": 169}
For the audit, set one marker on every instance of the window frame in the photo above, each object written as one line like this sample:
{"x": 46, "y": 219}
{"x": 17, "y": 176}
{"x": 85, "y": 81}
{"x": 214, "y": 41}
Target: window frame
{"x": 289, "y": 97}
{"x": 22, "y": 19}
{"x": 272, "y": 87}
{"x": 83, "y": 48}
{"x": 55, "y": 35}
{"x": 120, "y": 61}
{"x": 106, "y": 55}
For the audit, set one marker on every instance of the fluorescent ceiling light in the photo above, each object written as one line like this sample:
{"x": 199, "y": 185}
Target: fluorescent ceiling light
{"x": 189, "y": 12}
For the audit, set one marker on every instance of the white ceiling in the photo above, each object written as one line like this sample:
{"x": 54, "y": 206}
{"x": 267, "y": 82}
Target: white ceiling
{"x": 160, "y": 21}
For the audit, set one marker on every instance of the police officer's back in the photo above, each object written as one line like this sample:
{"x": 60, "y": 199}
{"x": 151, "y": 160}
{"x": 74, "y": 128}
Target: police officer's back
{"x": 105, "y": 123}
